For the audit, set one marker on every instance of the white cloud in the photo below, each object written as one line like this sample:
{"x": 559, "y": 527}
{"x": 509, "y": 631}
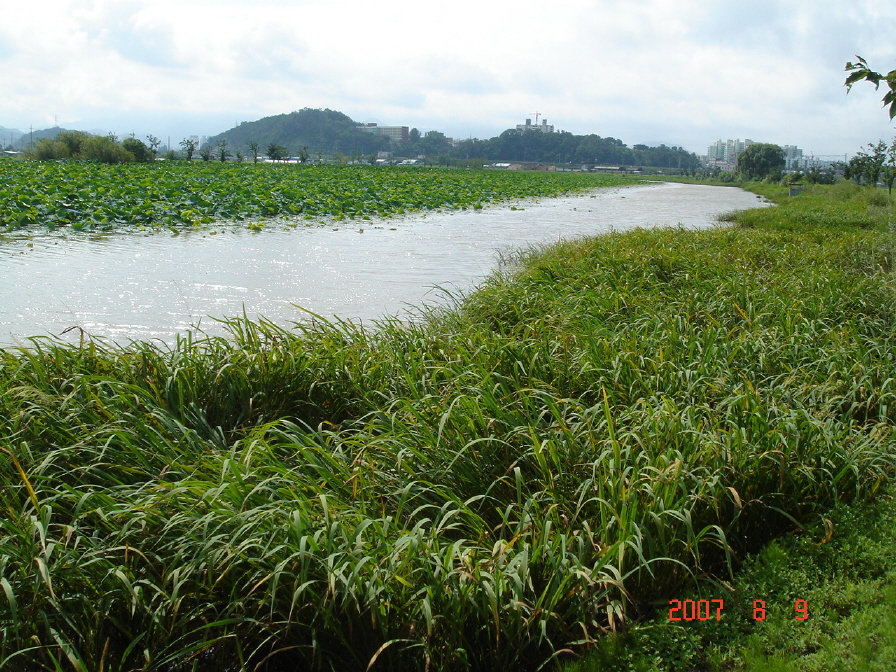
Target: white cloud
{"x": 684, "y": 71}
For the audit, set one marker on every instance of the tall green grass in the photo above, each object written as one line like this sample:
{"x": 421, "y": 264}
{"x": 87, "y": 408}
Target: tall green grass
{"x": 842, "y": 566}
{"x": 492, "y": 487}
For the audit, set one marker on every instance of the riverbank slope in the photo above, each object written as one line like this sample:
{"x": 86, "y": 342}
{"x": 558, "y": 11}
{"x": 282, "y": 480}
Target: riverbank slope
{"x": 820, "y": 597}
{"x": 619, "y": 420}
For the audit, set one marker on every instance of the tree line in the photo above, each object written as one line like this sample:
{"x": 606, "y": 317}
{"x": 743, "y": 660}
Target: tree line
{"x": 80, "y": 146}
{"x": 878, "y": 164}
{"x": 566, "y": 148}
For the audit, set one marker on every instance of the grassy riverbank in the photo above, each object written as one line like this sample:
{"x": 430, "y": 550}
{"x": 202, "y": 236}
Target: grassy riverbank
{"x": 841, "y": 564}
{"x": 622, "y": 420}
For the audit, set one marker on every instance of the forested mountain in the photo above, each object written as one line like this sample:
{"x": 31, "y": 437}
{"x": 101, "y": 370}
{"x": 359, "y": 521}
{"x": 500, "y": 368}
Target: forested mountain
{"x": 325, "y": 131}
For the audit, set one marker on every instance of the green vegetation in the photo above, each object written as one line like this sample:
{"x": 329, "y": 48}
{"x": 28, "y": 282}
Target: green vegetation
{"x": 878, "y": 164}
{"x": 327, "y": 130}
{"x": 841, "y": 564}
{"x": 275, "y": 152}
{"x": 104, "y": 197}
{"x": 566, "y": 148}
{"x": 29, "y": 139}
{"x": 615, "y": 422}
{"x": 80, "y": 146}
{"x": 761, "y": 160}
{"x": 188, "y": 145}
{"x": 860, "y": 71}
{"x": 138, "y": 149}
{"x": 843, "y": 567}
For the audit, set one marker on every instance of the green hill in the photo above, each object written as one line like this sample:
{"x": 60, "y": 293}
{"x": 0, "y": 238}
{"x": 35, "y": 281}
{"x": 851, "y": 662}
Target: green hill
{"x": 325, "y": 131}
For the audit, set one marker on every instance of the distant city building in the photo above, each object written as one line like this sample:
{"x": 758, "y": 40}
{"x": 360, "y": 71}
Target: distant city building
{"x": 792, "y": 157}
{"x": 816, "y": 163}
{"x": 723, "y": 154}
{"x": 543, "y": 127}
{"x": 392, "y": 132}
{"x": 796, "y": 160}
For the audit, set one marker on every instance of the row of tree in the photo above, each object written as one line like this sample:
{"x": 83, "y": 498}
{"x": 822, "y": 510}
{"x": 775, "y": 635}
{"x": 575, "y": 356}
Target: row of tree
{"x": 878, "y": 164}
{"x": 81, "y": 146}
{"x": 566, "y": 148}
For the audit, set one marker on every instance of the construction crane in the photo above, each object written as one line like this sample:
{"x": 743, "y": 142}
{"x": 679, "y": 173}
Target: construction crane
{"x": 536, "y": 116}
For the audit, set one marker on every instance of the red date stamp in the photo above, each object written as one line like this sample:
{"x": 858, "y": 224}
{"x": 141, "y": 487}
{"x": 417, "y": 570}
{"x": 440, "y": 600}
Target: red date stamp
{"x": 705, "y": 610}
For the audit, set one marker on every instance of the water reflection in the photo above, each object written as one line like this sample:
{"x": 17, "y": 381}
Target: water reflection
{"x": 128, "y": 286}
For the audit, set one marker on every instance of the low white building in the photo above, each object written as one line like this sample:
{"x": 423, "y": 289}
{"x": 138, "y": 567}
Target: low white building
{"x": 543, "y": 127}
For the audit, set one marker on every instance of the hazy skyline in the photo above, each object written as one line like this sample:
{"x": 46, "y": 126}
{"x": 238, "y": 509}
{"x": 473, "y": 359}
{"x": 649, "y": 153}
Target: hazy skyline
{"x": 683, "y": 72}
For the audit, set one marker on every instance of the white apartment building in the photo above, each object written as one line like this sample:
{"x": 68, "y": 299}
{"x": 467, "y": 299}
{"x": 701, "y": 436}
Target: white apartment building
{"x": 723, "y": 154}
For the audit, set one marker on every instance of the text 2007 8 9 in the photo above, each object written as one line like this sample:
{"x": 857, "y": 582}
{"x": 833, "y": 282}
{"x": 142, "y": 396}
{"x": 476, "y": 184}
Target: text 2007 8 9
{"x": 705, "y": 610}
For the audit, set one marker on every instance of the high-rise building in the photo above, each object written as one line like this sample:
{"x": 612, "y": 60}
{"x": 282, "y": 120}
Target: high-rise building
{"x": 724, "y": 153}
{"x": 792, "y": 157}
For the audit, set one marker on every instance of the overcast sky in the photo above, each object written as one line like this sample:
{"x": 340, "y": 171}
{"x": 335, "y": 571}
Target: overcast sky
{"x": 683, "y": 72}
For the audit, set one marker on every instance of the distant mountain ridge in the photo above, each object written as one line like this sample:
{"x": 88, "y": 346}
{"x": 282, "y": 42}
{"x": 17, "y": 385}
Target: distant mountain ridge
{"x": 9, "y": 135}
{"x": 330, "y": 133}
{"x": 24, "y": 141}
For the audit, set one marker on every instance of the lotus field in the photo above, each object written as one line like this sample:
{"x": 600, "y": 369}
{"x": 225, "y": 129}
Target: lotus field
{"x": 41, "y": 196}
{"x": 493, "y": 487}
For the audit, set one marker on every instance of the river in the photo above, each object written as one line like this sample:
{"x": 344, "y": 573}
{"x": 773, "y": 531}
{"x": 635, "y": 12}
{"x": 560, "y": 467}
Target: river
{"x": 127, "y": 286}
